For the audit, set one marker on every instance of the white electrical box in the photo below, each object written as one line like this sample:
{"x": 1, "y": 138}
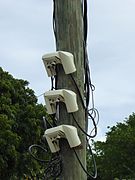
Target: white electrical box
{"x": 54, "y": 96}
{"x": 63, "y": 131}
{"x": 59, "y": 57}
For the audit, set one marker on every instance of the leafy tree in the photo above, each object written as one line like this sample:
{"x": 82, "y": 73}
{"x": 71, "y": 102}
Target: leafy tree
{"x": 116, "y": 156}
{"x": 20, "y": 126}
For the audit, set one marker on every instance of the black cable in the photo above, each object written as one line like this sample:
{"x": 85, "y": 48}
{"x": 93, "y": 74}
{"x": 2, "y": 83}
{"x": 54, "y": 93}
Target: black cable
{"x": 87, "y": 85}
{"x": 55, "y": 35}
{"x": 54, "y": 24}
{"x": 93, "y": 159}
{"x": 94, "y": 176}
{"x": 96, "y": 114}
{"x": 86, "y": 67}
{"x": 37, "y": 147}
{"x": 94, "y": 123}
{"x": 52, "y": 83}
{"x": 56, "y": 79}
{"x": 88, "y": 135}
{"x": 78, "y": 90}
{"x": 85, "y": 21}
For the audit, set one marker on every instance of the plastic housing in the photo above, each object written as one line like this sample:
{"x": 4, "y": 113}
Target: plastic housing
{"x": 63, "y": 131}
{"x": 62, "y": 95}
{"x": 59, "y": 57}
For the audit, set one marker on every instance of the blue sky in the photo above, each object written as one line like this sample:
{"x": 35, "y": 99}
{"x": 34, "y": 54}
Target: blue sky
{"x": 26, "y": 34}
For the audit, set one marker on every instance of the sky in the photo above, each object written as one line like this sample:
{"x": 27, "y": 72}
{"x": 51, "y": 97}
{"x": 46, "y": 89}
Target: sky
{"x": 26, "y": 34}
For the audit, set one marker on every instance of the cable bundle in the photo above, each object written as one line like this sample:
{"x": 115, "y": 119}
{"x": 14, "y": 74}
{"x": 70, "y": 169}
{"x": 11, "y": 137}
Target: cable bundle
{"x": 54, "y": 165}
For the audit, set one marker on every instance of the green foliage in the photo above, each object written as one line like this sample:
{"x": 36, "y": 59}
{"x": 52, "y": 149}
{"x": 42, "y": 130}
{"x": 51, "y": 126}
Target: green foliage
{"x": 20, "y": 126}
{"x": 116, "y": 156}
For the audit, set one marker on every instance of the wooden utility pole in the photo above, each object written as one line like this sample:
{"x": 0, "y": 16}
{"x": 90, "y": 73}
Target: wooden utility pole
{"x": 69, "y": 33}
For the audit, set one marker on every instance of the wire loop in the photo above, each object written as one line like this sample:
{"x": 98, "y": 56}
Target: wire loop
{"x": 37, "y": 147}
